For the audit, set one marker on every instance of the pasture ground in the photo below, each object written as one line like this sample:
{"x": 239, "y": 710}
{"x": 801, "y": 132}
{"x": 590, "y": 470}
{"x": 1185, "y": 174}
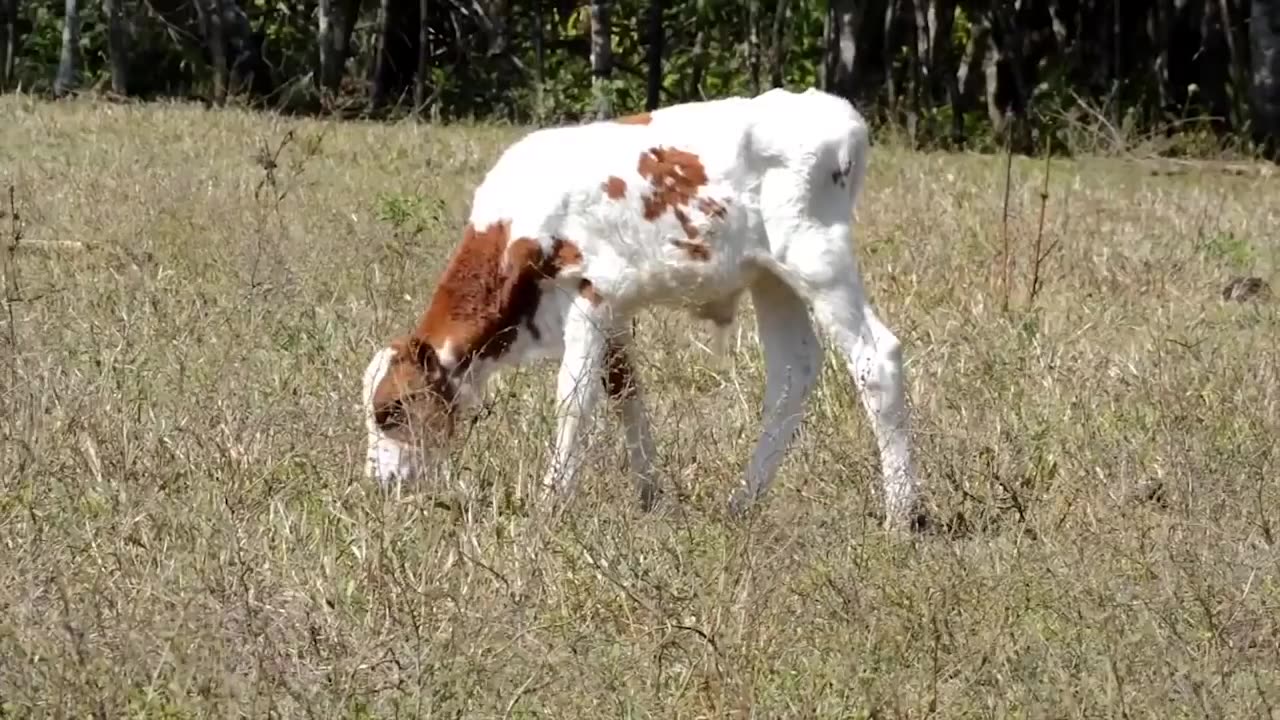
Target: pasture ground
{"x": 186, "y": 532}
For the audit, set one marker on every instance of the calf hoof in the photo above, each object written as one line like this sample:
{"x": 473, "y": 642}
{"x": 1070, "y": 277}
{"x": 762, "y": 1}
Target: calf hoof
{"x": 648, "y": 498}
{"x": 740, "y": 503}
{"x": 914, "y": 522}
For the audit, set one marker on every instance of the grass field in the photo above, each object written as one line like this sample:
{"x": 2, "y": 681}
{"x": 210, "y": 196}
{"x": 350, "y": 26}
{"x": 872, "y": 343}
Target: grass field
{"x": 186, "y": 532}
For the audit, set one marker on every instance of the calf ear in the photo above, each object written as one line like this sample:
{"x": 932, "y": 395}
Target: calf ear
{"x": 425, "y": 356}
{"x": 432, "y": 371}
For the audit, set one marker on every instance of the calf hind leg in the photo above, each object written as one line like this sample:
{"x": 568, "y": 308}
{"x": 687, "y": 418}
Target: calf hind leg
{"x": 793, "y": 359}
{"x": 833, "y": 285}
{"x": 624, "y": 390}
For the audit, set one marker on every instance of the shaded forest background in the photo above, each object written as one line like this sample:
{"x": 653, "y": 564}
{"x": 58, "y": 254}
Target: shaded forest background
{"x": 1193, "y": 74}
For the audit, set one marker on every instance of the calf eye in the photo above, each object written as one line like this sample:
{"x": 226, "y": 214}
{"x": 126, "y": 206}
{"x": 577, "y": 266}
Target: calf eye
{"x": 391, "y": 415}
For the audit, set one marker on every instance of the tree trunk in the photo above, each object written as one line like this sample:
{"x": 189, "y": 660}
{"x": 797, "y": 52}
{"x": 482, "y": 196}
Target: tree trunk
{"x": 248, "y": 69}
{"x": 918, "y": 55}
{"x": 855, "y": 52}
{"x": 825, "y": 66}
{"x": 1161, "y": 11}
{"x": 991, "y": 74}
{"x": 343, "y": 16}
{"x": 1182, "y": 42}
{"x": 69, "y": 60}
{"x": 424, "y": 58}
{"x": 698, "y": 57}
{"x": 753, "y": 45}
{"x": 942, "y": 64}
{"x": 873, "y": 54}
{"x": 1007, "y": 86}
{"x": 890, "y": 45}
{"x": 381, "y": 67}
{"x": 1234, "y": 35}
{"x": 842, "y": 47}
{"x": 777, "y": 45}
{"x": 498, "y": 13}
{"x": 653, "y": 55}
{"x": 1117, "y": 40}
{"x": 397, "y": 58}
{"x": 116, "y": 47}
{"x": 971, "y": 74}
{"x": 1214, "y": 58}
{"x": 216, "y": 41}
{"x": 601, "y": 58}
{"x": 8, "y": 40}
{"x": 922, "y": 51}
{"x": 539, "y": 61}
{"x": 1264, "y": 45}
{"x": 325, "y": 43}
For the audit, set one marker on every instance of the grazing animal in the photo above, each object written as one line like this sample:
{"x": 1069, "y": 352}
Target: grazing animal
{"x": 574, "y": 229}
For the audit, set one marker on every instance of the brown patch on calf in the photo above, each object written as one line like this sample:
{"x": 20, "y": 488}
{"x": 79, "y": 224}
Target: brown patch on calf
{"x": 491, "y": 287}
{"x": 712, "y": 208}
{"x": 674, "y": 176}
{"x": 615, "y": 187}
{"x": 695, "y": 250}
{"x": 643, "y": 118}
{"x": 564, "y": 254}
{"x": 690, "y": 230}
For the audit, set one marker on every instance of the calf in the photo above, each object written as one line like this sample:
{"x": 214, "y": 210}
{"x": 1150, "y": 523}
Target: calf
{"x": 575, "y": 229}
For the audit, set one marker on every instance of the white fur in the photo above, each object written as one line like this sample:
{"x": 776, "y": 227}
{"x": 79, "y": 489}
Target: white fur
{"x": 773, "y": 162}
{"x": 384, "y": 458}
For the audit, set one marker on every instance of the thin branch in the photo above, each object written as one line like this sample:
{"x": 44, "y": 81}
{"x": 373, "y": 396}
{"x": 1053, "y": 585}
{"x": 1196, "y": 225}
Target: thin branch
{"x": 1039, "y": 257}
{"x": 1008, "y": 182}
{"x": 12, "y": 292}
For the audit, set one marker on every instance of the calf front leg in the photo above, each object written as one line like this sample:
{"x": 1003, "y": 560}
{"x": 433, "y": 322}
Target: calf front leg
{"x": 578, "y": 389}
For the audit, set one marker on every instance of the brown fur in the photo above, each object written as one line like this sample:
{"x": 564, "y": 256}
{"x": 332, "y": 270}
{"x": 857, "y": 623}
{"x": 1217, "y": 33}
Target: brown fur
{"x": 674, "y": 177}
{"x": 690, "y": 230}
{"x": 414, "y": 393}
{"x": 643, "y": 118}
{"x": 695, "y": 250}
{"x": 614, "y": 188}
{"x": 565, "y": 254}
{"x": 486, "y": 292}
{"x": 481, "y": 300}
{"x": 711, "y": 207}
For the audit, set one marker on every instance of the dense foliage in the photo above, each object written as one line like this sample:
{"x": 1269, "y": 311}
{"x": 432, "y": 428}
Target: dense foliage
{"x": 953, "y": 71}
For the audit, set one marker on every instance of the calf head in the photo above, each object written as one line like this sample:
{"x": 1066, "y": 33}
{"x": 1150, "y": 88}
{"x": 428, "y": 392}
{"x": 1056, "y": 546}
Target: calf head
{"x": 410, "y": 408}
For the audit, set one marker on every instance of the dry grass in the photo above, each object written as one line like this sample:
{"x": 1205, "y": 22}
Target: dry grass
{"x": 186, "y": 532}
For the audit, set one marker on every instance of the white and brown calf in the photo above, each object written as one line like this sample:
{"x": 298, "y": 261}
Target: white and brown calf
{"x": 575, "y": 229}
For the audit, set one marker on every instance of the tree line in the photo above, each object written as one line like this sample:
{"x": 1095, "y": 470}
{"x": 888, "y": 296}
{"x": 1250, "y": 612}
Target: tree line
{"x": 948, "y": 72}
